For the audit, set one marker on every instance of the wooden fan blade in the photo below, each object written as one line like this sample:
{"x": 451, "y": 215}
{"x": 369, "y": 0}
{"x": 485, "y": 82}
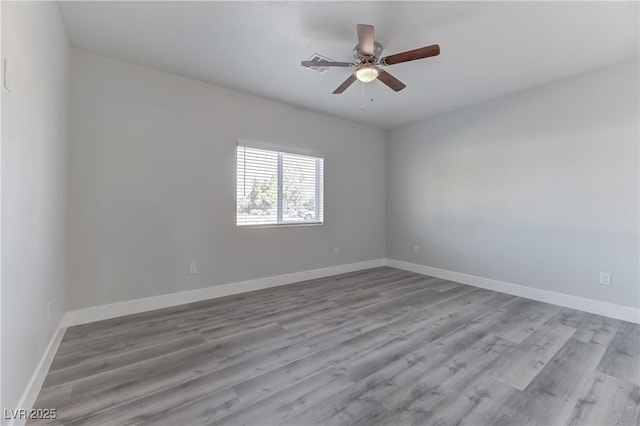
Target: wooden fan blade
{"x": 348, "y": 82}
{"x": 365, "y": 39}
{"x": 411, "y": 55}
{"x": 391, "y": 81}
{"x": 325, "y": 64}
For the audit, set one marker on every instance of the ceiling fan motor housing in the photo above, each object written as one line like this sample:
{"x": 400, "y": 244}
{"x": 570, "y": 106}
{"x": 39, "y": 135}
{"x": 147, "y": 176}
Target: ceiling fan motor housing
{"x": 377, "y": 51}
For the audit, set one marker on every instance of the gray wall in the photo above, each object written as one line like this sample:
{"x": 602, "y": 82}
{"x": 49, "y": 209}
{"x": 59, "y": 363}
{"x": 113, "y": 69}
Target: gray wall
{"x": 34, "y": 152}
{"x": 152, "y": 185}
{"x": 539, "y": 188}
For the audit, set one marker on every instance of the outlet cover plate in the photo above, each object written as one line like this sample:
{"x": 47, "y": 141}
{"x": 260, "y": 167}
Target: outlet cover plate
{"x": 605, "y": 278}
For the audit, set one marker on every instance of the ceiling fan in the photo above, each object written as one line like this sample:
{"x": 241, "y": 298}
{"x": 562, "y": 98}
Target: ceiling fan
{"x": 368, "y": 61}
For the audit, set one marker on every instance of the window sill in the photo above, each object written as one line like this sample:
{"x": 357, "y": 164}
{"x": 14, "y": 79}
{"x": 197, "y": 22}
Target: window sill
{"x": 280, "y": 225}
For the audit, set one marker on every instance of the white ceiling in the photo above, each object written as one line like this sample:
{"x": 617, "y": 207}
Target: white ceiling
{"x": 488, "y": 48}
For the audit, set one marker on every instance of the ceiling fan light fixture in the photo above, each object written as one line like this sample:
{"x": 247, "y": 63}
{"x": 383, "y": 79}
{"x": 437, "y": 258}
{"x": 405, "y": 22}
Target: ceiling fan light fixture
{"x": 367, "y": 74}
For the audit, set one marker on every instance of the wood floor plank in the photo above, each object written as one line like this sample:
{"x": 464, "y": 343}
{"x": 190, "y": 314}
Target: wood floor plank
{"x": 108, "y": 347}
{"x": 54, "y": 396}
{"x": 590, "y": 328}
{"x": 552, "y": 395}
{"x": 100, "y": 339}
{"x": 183, "y": 408}
{"x": 527, "y": 322}
{"x": 330, "y": 335}
{"x": 520, "y": 364}
{"x": 423, "y": 297}
{"x": 476, "y": 403}
{"x": 622, "y": 358}
{"x": 221, "y": 329}
{"x": 381, "y": 346}
{"x": 418, "y": 401}
{"x": 607, "y": 401}
{"x": 471, "y": 331}
{"x": 407, "y": 284}
{"x": 173, "y": 369}
{"x": 308, "y": 321}
{"x": 441, "y": 285}
{"x": 282, "y": 406}
{"x": 186, "y": 410}
{"x": 449, "y": 315}
{"x": 142, "y": 396}
{"x": 110, "y": 362}
{"x": 353, "y": 404}
{"x": 383, "y": 286}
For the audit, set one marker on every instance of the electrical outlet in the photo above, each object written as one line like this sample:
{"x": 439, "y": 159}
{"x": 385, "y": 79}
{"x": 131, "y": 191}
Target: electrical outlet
{"x": 193, "y": 268}
{"x": 336, "y": 250}
{"x": 605, "y": 278}
{"x": 416, "y": 249}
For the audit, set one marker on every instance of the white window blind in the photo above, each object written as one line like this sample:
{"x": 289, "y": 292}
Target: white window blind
{"x": 278, "y": 188}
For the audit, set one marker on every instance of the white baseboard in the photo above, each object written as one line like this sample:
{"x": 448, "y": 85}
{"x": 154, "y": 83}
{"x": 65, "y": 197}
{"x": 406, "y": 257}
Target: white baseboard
{"x": 32, "y": 390}
{"x": 624, "y": 313}
{"x": 97, "y": 313}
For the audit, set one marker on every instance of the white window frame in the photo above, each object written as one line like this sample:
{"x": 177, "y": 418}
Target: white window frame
{"x": 319, "y": 187}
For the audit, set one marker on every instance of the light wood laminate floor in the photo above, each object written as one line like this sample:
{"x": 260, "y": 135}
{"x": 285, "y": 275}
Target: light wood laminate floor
{"x": 381, "y": 346}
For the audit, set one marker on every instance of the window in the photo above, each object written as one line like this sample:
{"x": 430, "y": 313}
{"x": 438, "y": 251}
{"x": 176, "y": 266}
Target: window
{"x": 278, "y": 188}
